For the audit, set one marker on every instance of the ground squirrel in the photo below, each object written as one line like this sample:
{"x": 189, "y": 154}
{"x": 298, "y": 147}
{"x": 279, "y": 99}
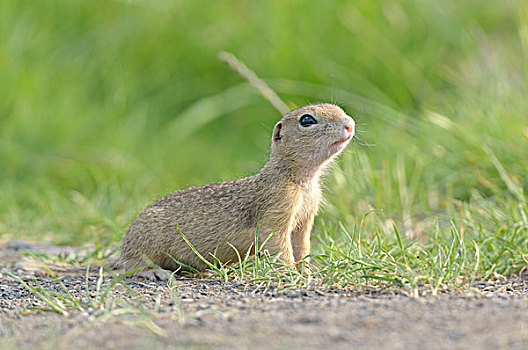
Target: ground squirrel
{"x": 282, "y": 199}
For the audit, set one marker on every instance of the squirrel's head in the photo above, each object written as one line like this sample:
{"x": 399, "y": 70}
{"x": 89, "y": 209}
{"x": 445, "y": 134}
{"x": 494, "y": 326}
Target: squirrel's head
{"x": 310, "y": 136}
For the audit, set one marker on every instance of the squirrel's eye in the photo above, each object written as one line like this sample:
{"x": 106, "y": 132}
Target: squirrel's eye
{"x": 307, "y": 120}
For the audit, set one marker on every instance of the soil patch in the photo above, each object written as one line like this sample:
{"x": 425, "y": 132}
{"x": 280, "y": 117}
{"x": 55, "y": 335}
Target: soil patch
{"x": 204, "y": 313}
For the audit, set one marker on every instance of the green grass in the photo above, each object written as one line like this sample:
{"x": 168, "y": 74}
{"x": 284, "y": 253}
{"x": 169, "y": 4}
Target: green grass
{"x": 372, "y": 255}
{"x": 107, "y": 105}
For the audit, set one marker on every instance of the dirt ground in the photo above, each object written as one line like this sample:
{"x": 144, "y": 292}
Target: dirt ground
{"x": 209, "y": 313}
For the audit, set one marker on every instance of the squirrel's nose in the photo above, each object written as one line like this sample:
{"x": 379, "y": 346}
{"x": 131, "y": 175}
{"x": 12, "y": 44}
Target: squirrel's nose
{"x": 349, "y": 128}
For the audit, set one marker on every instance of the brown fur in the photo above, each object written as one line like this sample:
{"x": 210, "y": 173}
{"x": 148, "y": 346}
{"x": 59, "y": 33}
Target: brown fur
{"x": 282, "y": 198}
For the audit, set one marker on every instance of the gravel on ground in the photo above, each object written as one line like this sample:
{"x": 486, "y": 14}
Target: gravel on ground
{"x": 200, "y": 313}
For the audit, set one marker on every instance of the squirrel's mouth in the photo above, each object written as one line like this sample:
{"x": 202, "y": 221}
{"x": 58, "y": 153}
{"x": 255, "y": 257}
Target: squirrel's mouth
{"x": 345, "y": 140}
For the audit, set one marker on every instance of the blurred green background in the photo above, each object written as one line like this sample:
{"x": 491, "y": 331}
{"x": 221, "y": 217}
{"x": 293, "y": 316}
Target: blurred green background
{"x": 107, "y": 105}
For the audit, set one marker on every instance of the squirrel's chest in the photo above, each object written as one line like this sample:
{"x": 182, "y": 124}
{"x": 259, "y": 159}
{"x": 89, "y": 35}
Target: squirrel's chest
{"x": 291, "y": 205}
{"x": 307, "y": 203}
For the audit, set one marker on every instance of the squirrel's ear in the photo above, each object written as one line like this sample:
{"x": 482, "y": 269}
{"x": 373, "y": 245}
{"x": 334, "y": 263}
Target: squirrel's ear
{"x": 277, "y": 136}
